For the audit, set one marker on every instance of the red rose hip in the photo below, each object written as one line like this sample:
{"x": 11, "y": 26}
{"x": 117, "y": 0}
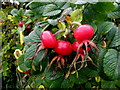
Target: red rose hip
{"x": 21, "y": 24}
{"x": 63, "y": 47}
{"x": 48, "y": 39}
{"x": 26, "y": 72}
{"x": 83, "y": 32}
{"x": 75, "y": 47}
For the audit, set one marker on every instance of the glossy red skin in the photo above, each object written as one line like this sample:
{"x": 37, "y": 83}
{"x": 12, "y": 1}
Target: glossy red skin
{"x": 48, "y": 39}
{"x": 63, "y": 48}
{"x": 28, "y": 27}
{"x": 21, "y": 24}
{"x": 83, "y": 32}
{"x": 26, "y": 72}
{"x": 75, "y": 47}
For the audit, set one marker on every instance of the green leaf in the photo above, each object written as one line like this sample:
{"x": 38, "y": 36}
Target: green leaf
{"x": 34, "y": 5}
{"x": 93, "y": 73}
{"x": 38, "y": 58}
{"x": 50, "y": 10}
{"x": 108, "y": 84}
{"x": 98, "y": 12}
{"x": 27, "y": 39}
{"x": 21, "y": 12}
{"x": 38, "y": 80}
{"x": 105, "y": 27}
{"x": 14, "y": 12}
{"x": 111, "y": 64}
{"x": 51, "y": 13}
{"x": 66, "y": 5}
{"x": 21, "y": 64}
{"x": 77, "y": 15}
{"x": 28, "y": 13}
{"x": 30, "y": 51}
{"x": 61, "y": 25}
{"x": 103, "y": 7}
{"x": 23, "y": 67}
{"x": 117, "y": 83}
{"x": 47, "y": 82}
{"x": 114, "y": 15}
{"x": 51, "y": 76}
{"x": 28, "y": 63}
{"x": 78, "y": 80}
{"x": 2, "y": 16}
{"x": 56, "y": 83}
{"x": 67, "y": 84}
{"x": 88, "y": 85}
{"x": 88, "y": 72}
{"x": 21, "y": 60}
{"x": 116, "y": 40}
{"x": 33, "y": 36}
{"x": 52, "y": 22}
{"x": 111, "y": 33}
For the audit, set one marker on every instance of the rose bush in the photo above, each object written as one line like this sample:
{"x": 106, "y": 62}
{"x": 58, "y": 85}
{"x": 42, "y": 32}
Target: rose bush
{"x": 68, "y": 45}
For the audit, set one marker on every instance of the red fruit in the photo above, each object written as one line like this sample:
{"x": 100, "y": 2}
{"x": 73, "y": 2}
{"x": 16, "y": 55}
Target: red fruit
{"x": 26, "y": 72}
{"x": 63, "y": 47}
{"x": 1, "y": 21}
{"x": 48, "y": 39}
{"x": 75, "y": 47}
{"x": 83, "y": 32}
{"x": 28, "y": 27}
{"x": 21, "y": 24}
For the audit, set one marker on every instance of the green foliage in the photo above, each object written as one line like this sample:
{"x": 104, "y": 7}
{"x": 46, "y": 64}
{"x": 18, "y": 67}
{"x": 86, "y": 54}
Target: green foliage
{"x": 56, "y": 16}
{"x": 111, "y": 64}
{"x": 76, "y": 15}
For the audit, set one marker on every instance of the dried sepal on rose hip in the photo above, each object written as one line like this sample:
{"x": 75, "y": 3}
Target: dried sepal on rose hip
{"x": 82, "y": 53}
{"x": 75, "y": 47}
{"x": 62, "y": 48}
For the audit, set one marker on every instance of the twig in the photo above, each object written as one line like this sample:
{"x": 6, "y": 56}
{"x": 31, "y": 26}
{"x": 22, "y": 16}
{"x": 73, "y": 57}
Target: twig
{"x": 60, "y": 31}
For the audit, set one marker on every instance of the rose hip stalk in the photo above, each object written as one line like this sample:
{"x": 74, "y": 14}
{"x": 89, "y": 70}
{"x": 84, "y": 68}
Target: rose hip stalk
{"x": 62, "y": 48}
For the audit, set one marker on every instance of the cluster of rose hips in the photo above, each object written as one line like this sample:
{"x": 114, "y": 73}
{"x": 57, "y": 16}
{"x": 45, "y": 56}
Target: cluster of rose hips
{"x": 82, "y": 34}
{"x": 82, "y": 45}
